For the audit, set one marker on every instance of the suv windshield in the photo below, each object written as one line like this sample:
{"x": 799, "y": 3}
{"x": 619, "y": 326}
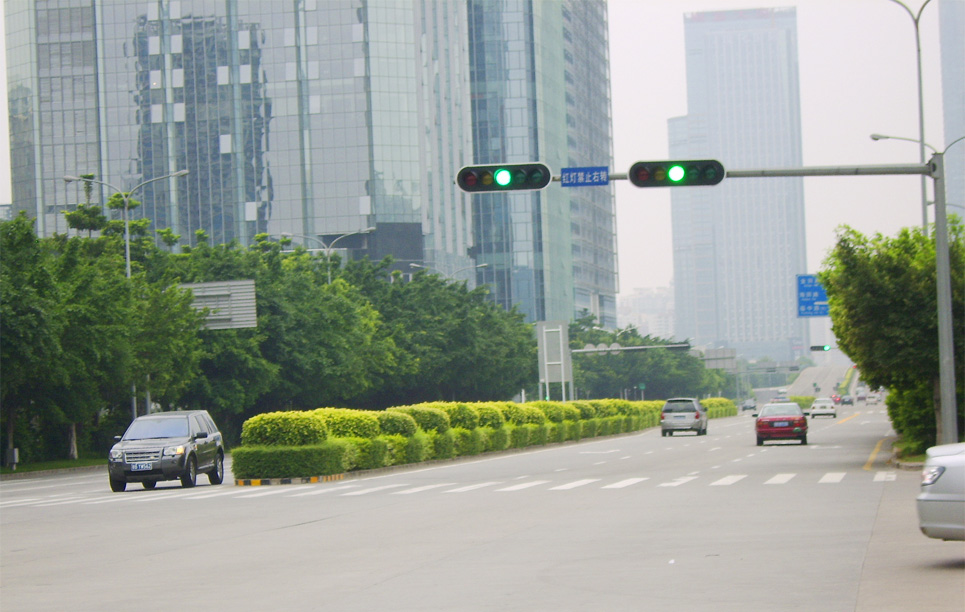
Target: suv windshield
{"x": 143, "y": 429}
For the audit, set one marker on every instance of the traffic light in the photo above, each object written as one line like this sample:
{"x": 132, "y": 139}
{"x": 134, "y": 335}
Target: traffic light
{"x": 679, "y": 173}
{"x": 504, "y": 177}
{"x": 821, "y": 347}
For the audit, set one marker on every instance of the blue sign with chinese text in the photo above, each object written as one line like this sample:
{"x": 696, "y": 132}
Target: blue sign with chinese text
{"x": 583, "y": 177}
{"x": 812, "y": 299}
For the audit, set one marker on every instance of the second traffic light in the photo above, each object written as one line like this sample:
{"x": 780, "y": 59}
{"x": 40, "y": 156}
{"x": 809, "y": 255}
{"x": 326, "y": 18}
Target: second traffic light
{"x": 676, "y": 173}
{"x": 821, "y": 347}
{"x": 504, "y": 177}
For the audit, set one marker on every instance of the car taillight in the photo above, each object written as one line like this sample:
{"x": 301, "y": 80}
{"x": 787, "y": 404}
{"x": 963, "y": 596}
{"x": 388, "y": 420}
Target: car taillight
{"x": 696, "y": 415}
{"x": 663, "y": 415}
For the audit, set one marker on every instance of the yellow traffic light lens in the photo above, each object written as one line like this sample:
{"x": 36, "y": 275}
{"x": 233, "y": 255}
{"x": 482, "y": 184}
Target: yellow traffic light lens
{"x": 503, "y": 177}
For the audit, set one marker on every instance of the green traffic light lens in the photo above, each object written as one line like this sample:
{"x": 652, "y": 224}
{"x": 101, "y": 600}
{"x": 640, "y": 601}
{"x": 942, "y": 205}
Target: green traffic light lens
{"x": 676, "y": 173}
{"x": 503, "y": 177}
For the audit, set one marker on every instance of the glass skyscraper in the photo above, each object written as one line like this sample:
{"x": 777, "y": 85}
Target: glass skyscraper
{"x": 540, "y": 92}
{"x": 739, "y": 246}
{"x": 316, "y": 119}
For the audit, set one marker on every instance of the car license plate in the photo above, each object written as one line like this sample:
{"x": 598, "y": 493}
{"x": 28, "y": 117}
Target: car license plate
{"x": 781, "y": 424}
{"x": 679, "y": 417}
{"x": 141, "y": 467}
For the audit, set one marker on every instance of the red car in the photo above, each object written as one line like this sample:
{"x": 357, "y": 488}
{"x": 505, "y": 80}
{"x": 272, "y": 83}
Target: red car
{"x": 782, "y": 421}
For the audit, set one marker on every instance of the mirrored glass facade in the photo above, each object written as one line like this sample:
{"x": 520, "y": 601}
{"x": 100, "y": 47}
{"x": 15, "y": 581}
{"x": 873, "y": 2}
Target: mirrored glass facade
{"x": 311, "y": 118}
{"x": 541, "y": 92}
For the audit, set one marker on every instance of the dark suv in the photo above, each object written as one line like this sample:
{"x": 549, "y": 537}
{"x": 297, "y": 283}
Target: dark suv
{"x": 167, "y": 446}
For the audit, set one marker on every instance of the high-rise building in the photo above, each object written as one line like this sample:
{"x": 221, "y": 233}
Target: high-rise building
{"x": 739, "y": 246}
{"x": 540, "y": 92}
{"x": 312, "y": 119}
{"x": 318, "y": 119}
{"x": 951, "y": 26}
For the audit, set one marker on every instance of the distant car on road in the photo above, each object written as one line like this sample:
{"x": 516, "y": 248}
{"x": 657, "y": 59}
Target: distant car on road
{"x": 683, "y": 414}
{"x": 823, "y": 406}
{"x": 847, "y": 400}
{"x": 836, "y": 398}
{"x": 873, "y": 398}
{"x": 941, "y": 503}
{"x": 167, "y": 446}
{"x": 781, "y": 421}
{"x": 748, "y": 404}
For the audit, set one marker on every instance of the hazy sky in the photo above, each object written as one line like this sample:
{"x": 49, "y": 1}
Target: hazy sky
{"x": 858, "y": 76}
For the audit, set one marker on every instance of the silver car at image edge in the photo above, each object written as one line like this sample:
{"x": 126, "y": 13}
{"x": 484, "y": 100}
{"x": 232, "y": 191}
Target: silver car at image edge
{"x": 941, "y": 503}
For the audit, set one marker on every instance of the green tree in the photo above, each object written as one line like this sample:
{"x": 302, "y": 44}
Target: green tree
{"x": 882, "y": 296}
{"x": 30, "y": 327}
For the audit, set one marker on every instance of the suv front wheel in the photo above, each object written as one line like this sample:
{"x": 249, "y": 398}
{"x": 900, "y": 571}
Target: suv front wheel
{"x": 190, "y": 476}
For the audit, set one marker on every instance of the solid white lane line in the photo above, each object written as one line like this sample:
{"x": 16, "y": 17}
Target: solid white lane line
{"x": 270, "y": 491}
{"x": 574, "y": 484}
{"x": 625, "y": 483}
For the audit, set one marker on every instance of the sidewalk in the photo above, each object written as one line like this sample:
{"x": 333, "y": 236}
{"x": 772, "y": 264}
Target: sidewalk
{"x": 904, "y": 570}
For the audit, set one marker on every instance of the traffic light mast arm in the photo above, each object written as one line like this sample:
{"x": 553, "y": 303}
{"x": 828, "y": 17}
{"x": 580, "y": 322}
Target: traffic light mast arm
{"x": 925, "y": 169}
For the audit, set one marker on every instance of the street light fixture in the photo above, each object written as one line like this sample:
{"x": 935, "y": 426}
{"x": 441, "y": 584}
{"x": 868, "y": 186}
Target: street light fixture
{"x": 127, "y": 238}
{"x": 916, "y": 19}
{"x": 328, "y": 247}
{"x": 450, "y": 276}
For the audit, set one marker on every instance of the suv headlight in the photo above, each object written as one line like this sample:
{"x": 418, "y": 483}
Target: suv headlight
{"x": 931, "y": 474}
{"x": 174, "y": 450}
{"x": 117, "y": 455}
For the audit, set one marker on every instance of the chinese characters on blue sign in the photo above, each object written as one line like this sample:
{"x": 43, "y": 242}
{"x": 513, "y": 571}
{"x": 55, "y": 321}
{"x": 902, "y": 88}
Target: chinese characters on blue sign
{"x": 583, "y": 177}
{"x": 812, "y": 299}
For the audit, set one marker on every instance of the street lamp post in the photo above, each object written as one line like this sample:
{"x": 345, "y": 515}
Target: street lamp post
{"x": 916, "y": 19}
{"x": 127, "y": 202}
{"x": 450, "y": 276}
{"x": 127, "y": 238}
{"x": 329, "y": 247}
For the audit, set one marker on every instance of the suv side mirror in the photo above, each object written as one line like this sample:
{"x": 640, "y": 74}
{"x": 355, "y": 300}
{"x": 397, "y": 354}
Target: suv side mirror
{"x": 200, "y": 435}
{"x": 117, "y": 438}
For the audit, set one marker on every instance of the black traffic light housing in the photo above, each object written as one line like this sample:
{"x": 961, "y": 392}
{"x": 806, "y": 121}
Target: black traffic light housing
{"x": 676, "y": 173}
{"x": 821, "y": 347}
{"x": 504, "y": 177}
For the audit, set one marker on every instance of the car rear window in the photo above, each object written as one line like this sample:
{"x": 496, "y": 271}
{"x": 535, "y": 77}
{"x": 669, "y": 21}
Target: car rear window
{"x": 679, "y": 407}
{"x": 781, "y": 410}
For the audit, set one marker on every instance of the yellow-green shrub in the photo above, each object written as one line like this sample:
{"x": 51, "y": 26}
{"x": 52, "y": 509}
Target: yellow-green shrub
{"x": 428, "y": 418}
{"x": 348, "y": 423}
{"x": 396, "y": 423}
{"x": 289, "y": 428}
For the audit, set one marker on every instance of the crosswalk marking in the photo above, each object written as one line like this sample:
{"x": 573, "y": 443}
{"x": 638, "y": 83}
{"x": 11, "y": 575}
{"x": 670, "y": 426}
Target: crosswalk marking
{"x": 524, "y": 485}
{"x": 373, "y": 490}
{"x": 574, "y": 484}
{"x": 474, "y": 487}
{"x": 728, "y": 480}
{"x": 625, "y": 483}
{"x": 677, "y": 482}
{"x": 423, "y": 488}
{"x": 364, "y": 488}
{"x": 321, "y": 490}
{"x": 780, "y": 479}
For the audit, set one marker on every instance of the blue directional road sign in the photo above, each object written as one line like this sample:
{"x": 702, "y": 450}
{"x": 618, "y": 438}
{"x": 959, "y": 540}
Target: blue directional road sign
{"x": 584, "y": 177}
{"x": 812, "y": 299}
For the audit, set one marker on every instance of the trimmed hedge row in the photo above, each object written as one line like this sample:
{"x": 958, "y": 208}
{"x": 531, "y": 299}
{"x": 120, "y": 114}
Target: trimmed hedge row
{"x": 330, "y": 441}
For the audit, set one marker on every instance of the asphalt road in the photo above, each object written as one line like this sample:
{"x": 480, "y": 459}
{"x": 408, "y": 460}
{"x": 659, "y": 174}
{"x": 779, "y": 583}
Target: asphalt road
{"x": 636, "y": 522}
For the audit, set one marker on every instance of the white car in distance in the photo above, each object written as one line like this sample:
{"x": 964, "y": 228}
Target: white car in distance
{"x": 823, "y": 406}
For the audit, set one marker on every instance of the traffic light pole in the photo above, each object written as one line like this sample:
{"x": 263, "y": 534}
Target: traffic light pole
{"x": 935, "y": 168}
